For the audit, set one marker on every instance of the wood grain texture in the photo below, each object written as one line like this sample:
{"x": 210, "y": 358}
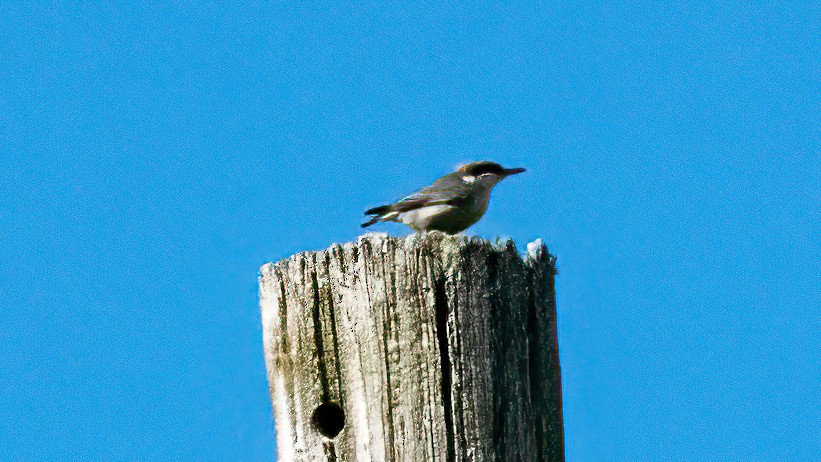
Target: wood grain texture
{"x": 436, "y": 347}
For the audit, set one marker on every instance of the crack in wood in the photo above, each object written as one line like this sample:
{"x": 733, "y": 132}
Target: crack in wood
{"x": 441, "y": 307}
{"x": 318, "y": 340}
{"x": 332, "y": 318}
{"x": 386, "y": 333}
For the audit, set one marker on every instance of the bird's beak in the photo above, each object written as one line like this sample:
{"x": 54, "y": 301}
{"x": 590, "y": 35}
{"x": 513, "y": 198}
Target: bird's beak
{"x": 513, "y": 171}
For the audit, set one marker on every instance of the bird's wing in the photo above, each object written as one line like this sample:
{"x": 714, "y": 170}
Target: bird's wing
{"x": 448, "y": 190}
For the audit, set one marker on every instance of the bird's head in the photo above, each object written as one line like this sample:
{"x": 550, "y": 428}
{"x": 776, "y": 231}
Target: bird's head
{"x": 488, "y": 173}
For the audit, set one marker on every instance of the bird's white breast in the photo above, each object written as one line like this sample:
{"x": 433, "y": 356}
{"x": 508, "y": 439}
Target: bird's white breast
{"x": 421, "y": 217}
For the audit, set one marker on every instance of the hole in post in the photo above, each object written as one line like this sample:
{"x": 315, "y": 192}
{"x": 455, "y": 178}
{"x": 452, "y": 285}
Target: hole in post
{"x": 328, "y": 418}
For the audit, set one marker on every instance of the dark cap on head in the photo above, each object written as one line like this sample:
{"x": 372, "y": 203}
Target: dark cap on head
{"x": 484, "y": 166}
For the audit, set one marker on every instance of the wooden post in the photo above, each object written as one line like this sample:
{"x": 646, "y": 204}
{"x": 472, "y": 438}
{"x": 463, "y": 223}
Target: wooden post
{"x": 424, "y": 348}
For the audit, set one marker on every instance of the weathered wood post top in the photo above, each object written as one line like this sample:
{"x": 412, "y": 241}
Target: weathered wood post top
{"x": 424, "y": 348}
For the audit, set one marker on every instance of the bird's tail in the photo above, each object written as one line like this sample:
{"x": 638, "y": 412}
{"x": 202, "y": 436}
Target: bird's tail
{"x": 373, "y": 220}
{"x": 378, "y": 214}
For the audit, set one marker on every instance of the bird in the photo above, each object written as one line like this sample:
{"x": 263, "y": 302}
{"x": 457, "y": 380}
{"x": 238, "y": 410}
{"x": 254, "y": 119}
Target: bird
{"x": 451, "y": 204}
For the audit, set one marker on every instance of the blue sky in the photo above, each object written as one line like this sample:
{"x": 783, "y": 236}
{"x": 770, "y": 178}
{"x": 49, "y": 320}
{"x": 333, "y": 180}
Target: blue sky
{"x": 154, "y": 156}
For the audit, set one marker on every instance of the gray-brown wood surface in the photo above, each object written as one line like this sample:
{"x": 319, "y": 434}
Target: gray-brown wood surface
{"x": 424, "y": 348}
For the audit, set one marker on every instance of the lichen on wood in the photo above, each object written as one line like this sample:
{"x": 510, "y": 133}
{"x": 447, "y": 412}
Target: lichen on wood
{"x": 424, "y": 348}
